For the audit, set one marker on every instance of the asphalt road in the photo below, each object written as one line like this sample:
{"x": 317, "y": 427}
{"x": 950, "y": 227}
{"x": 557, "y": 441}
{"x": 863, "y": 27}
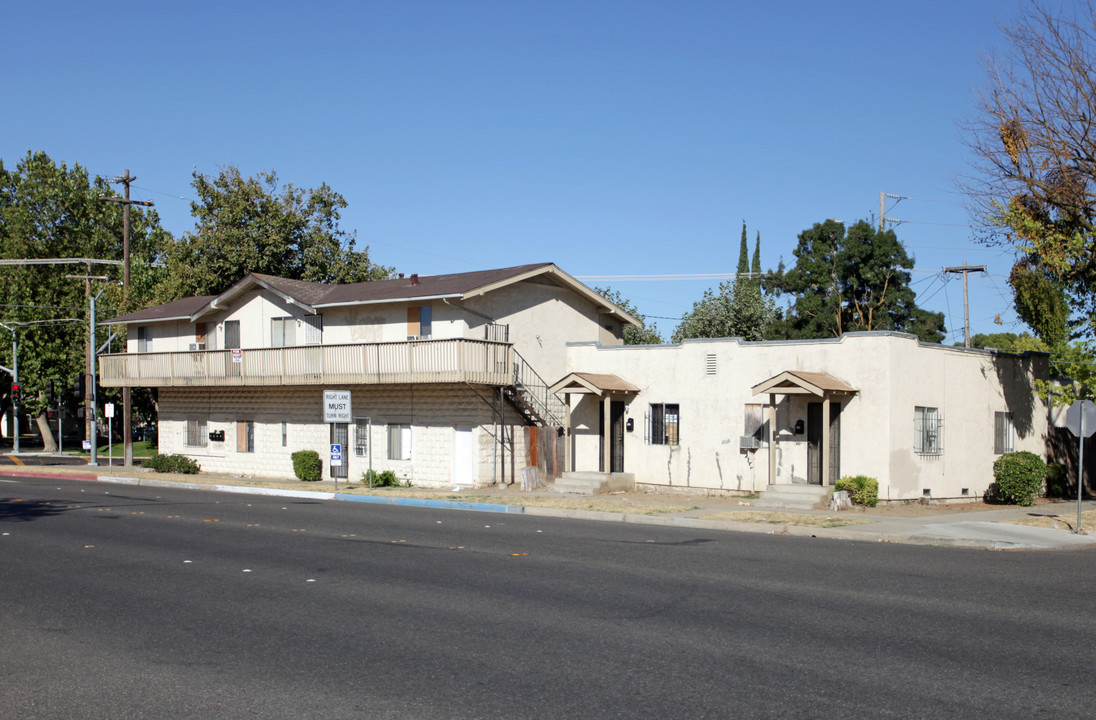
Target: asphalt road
{"x": 126, "y": 602}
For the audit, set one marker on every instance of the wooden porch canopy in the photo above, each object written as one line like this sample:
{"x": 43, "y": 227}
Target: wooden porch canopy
{"x": 801, "y": 382}
{"x": 605, "y": 386}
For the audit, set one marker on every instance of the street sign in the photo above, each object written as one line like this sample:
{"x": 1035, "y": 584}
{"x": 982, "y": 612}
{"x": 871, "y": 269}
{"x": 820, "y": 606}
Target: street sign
{"x": 109, "y": 410}
{"x": 336, "y": 406}
{"x": 336, "y": 455}
{"x": 1081, "y": 410}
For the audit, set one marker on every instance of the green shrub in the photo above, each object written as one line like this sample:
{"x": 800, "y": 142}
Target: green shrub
{"x": 383, "y": 479}
{"x": 1018, "y": 478}
{"x": 171, "y": 464}
{"x": 1057, "y": 482}
{"x": 862, "y": 489}
{"x": 307, "y": 465}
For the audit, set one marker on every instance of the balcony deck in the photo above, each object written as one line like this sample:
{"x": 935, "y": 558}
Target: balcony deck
{"x": 480, "y": 362}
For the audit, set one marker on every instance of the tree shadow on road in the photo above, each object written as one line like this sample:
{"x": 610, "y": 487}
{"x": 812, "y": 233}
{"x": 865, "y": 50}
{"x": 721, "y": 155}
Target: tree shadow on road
{"x": 15, "y": 509}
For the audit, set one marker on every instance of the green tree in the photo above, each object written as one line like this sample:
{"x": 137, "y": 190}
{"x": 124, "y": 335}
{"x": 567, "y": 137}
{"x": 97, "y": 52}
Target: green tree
{"x": 738, "y": 310}
{"x": 849, "y": 281}
{"x": 52, "y": 211}
{"x": 648, "y": 334}
{"x": 1040, "y": 302}
{"x": 1034, "y": 156}
{"x": 256, "y": 224}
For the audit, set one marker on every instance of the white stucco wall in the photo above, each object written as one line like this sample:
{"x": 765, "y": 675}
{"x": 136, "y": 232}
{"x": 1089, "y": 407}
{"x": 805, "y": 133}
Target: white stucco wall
{"x": 543, "y": 318}
{"x": 893, "y": 373}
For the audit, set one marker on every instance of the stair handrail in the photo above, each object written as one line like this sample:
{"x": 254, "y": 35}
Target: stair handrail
{"x": 535, "y": 391}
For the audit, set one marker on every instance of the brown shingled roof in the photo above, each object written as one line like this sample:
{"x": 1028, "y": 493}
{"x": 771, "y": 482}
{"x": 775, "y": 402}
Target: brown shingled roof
{"x": 319, "y": 295}
{"x": 176, "y": 310}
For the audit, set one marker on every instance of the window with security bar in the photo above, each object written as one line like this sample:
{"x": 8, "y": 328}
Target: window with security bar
{"x": 1004, "y": 433}
{"x": 928, "y": 435}
{"x": 665, "y": 424}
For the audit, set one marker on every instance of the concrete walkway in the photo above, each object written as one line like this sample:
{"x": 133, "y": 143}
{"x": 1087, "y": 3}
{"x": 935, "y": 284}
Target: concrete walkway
{"x": 986, "y": 529}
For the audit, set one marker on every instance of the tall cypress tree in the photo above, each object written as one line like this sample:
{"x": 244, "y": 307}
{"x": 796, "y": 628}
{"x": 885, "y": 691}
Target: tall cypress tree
{"x": 743, "y": 256}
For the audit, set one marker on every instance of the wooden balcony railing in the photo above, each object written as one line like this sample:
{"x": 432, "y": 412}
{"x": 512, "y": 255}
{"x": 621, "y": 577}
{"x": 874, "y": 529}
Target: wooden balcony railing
{"x": 421, "y": 361}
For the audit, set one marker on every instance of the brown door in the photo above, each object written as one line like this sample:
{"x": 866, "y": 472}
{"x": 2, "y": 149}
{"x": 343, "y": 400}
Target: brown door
{"x": 616, "y": 448}
{"x": 816, "y": 455}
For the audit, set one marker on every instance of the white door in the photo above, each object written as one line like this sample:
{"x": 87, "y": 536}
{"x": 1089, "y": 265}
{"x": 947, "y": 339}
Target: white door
{"x": 463, "y": 456}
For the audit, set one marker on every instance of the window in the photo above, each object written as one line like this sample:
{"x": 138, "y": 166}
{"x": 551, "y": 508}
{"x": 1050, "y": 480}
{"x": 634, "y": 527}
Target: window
{"x": 232, "y": 334}
{"x": 199, "y": 337}
{"x": 419, "y": 322}
{"x": 399, "y": 442}
{"x": 927, "y": 431}
{"x": 283, "y": 331}
{"x": 1004, "y": 433}
{"x": 664, "y": 424}
{"x": 361, "y": 438}
{"x": 196, "y": 433}
{"x": 753, "y": 426}
{"x": 144, "y": 339}
{"x": 245, "y": 436}
{"x": 285, "y": 434}
{"x": 313, "y": 329}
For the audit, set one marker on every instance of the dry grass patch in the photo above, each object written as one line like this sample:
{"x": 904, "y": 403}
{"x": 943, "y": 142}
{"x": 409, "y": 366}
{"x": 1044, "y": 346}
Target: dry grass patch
{"x": 784, "y": 518}
{"x": 1064, "y": 520}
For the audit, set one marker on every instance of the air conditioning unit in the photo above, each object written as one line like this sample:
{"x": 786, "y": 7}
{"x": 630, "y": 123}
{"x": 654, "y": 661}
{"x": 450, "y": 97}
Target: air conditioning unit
{"x": 748, "y": 442}
{"x": 412, "y": 337}
{"x": 197, "y": 346}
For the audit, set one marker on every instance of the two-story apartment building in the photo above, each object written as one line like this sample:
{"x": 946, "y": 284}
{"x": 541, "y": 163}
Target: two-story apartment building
{"x": 444, "y": 372}
{"x": 465, "y": 379}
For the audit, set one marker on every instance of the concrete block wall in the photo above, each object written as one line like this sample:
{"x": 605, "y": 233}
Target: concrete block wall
{"x": 433, "y": 412}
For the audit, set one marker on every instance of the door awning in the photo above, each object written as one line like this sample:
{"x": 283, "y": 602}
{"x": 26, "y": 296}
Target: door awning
{"x": 801, "y": 382}
{"x": 594, "y": 384}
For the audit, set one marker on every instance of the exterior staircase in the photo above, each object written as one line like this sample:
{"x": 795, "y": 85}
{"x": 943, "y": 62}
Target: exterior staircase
{"x": 794, "y": 497}
{"x": 593, "y": 483}
{"x": 530, "y": 397}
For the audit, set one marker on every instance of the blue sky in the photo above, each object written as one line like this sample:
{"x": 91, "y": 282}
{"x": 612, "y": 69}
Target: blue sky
{"x": 612, "y": 138}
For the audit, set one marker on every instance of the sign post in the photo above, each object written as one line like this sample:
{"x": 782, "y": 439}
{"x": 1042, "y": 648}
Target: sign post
{"x": 1081, "y": 421}
{"x": 110, "y": 435}
{"x": 336, "y": 409}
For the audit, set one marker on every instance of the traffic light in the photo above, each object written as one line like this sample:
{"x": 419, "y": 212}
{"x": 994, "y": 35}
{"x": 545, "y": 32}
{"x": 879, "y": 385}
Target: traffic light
{"x": 78, "y": 385}
{"x": 15, "y": 393}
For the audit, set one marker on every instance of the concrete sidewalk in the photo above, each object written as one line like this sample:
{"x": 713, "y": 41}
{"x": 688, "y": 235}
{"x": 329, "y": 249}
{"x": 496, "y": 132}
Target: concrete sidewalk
{"x": 985, "y": 529}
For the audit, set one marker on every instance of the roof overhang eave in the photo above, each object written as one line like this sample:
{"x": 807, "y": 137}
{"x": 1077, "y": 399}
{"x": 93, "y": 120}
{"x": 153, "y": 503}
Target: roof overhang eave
{"x": 417, "y": 298}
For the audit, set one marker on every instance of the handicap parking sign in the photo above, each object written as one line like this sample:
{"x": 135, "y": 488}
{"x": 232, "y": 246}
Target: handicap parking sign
{"x": 336, "y": 454}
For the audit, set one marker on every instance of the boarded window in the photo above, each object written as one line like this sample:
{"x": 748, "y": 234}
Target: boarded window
{"x": 245, "y": 436}
{"x": 419, "y": 322}
{"x": 754, "y": 422}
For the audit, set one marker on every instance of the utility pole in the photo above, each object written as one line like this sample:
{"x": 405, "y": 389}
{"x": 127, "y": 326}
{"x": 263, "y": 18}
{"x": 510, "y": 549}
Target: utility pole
{"x": 127, "y": 425}
{"x": 966, "y": 270}
{"x": 883, "y": 195}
